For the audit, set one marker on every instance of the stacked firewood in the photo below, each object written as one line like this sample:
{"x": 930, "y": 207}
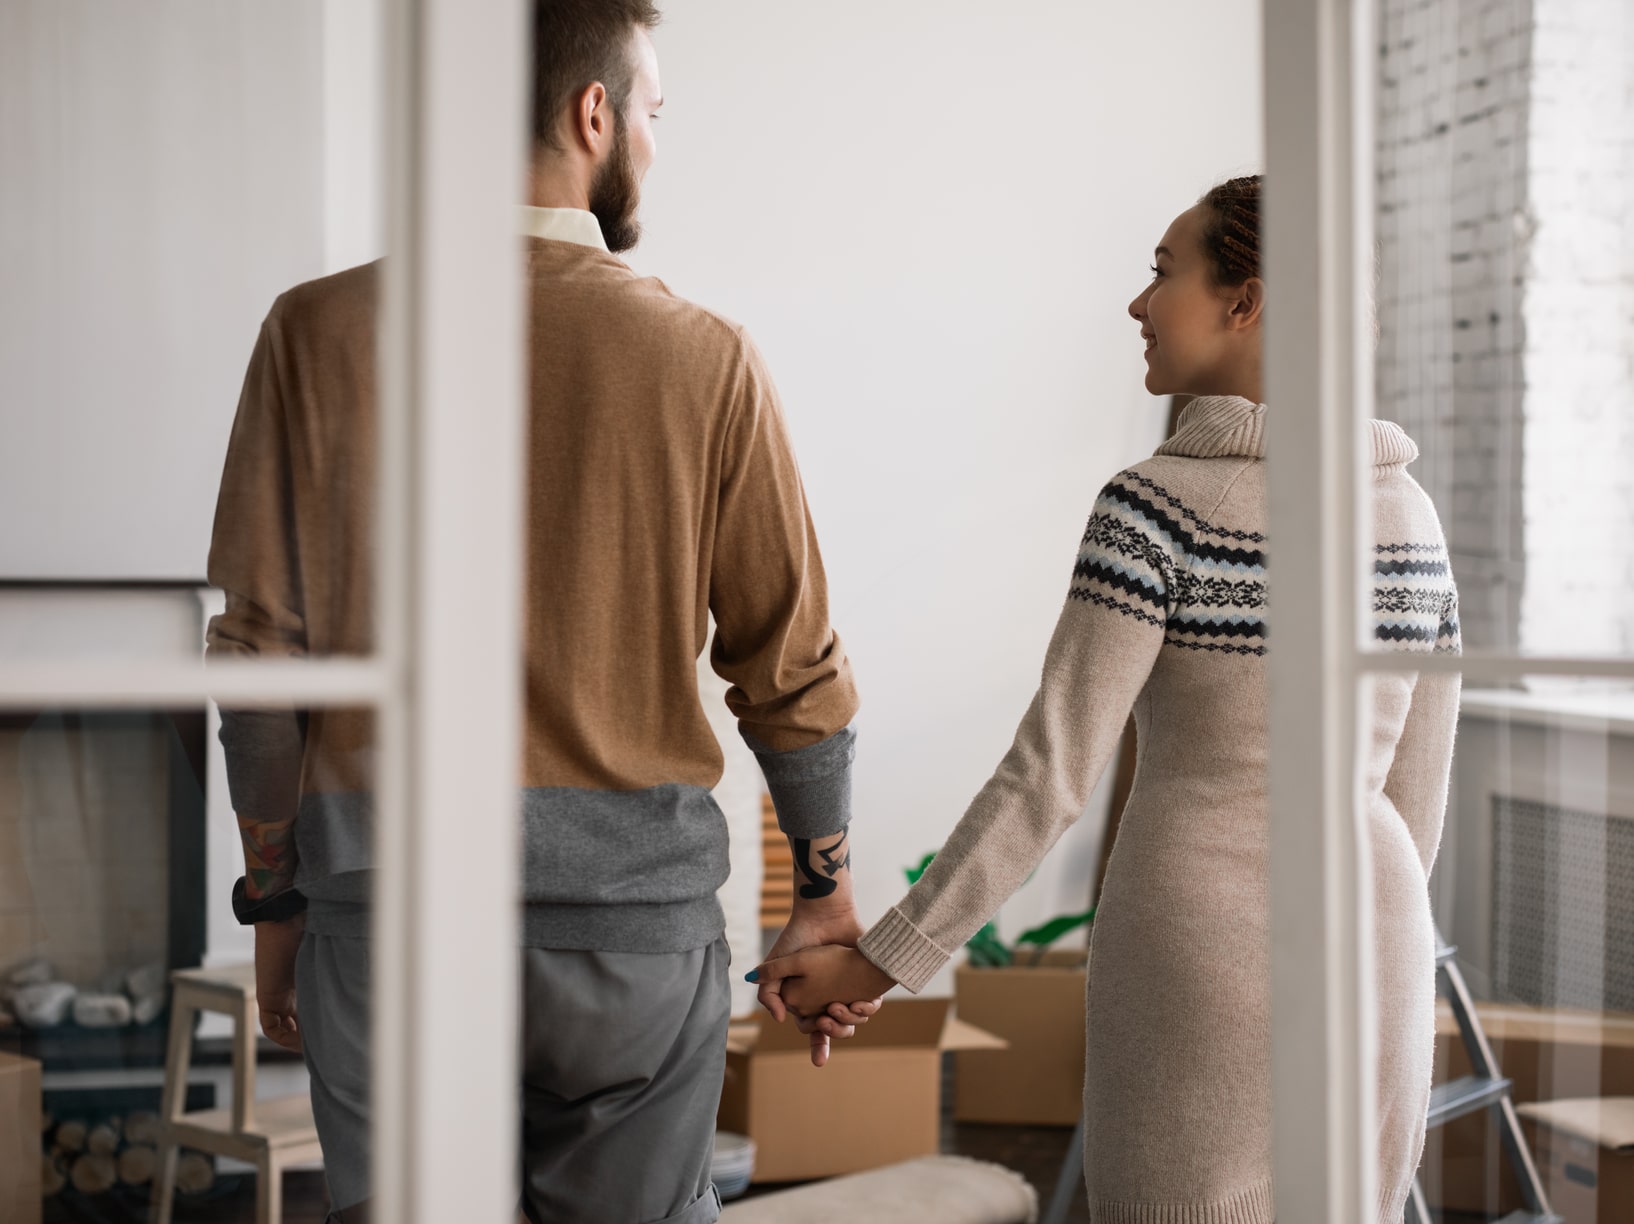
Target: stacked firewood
{"x": 94, "y": 1157}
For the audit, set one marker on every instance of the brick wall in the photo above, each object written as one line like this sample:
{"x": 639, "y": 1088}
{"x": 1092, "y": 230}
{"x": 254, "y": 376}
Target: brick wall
{"x": 1451, "y": 125}
{"x": 1506, "y": 301}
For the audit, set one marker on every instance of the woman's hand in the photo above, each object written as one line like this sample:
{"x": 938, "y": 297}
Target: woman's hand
{"x": 818, "y": 981}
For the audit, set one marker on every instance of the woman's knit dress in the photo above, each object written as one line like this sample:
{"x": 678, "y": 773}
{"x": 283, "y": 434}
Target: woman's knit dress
{"x": 1166, "y": 616}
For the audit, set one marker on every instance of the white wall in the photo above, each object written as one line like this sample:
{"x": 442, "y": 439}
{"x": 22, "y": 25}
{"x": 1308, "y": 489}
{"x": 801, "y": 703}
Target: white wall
{"x": 161, "y": 180}
{"x": 931, "y": 217}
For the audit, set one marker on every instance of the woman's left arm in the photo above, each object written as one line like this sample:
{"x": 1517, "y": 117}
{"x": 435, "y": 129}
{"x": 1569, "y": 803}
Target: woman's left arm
{"x": 1104, "y": 646}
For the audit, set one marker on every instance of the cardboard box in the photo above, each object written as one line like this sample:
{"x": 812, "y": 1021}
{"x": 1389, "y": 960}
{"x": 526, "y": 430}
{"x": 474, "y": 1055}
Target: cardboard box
{"x": 877, "y": 1102}
{"x": 20, "y": 1201}
{"x": 1585, "y": 1153}
{"x": 1039, "y": 1010}
{"x": 1548, "y": 1053}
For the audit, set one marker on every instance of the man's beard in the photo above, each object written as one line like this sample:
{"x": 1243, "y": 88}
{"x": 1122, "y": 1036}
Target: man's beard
{"x": 615, "y": 196}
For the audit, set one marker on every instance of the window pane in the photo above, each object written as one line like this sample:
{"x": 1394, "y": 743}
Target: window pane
{"x": 1505, "y": 225}
{"x": 171, "y": 419}
{"x": 1535, "y": 887}
{"x": 119, "y": 851}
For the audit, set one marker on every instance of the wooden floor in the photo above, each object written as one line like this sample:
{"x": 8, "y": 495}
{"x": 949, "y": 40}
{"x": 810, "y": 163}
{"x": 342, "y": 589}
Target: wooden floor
{"x": 1034, "y": 1152}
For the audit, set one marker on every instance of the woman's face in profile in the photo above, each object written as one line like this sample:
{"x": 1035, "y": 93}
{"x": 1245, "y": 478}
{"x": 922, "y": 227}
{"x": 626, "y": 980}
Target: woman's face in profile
{"x": 1182, "y": 313}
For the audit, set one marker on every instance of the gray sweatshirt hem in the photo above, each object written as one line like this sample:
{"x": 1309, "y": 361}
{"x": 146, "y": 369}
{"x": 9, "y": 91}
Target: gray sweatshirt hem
{"x": 611, "y": 871}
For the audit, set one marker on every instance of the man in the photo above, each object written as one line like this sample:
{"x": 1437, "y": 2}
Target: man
{"x": 662, "y": 490}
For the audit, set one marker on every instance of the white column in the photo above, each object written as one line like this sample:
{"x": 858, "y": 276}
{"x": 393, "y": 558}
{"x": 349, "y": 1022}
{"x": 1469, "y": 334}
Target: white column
{"x": 453, "y": 442}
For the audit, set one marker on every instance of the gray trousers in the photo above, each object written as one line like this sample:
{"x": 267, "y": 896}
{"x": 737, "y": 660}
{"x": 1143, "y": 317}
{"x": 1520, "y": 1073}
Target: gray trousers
{"x": 622, "y": 1059}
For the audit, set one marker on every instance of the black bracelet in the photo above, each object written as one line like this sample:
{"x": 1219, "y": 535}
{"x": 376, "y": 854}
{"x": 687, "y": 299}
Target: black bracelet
{"x": 276, "y": 908}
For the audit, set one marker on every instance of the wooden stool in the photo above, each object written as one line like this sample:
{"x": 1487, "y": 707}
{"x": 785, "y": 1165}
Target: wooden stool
{"x": 268, "y": 1134}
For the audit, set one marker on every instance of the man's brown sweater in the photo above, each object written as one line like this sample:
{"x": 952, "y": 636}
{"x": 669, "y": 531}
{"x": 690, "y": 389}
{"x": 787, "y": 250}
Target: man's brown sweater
{"x": 662, "y": 489}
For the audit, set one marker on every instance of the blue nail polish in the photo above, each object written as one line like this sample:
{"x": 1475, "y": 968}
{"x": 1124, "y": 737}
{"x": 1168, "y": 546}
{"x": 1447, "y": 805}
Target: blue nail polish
{"x": 752, "y": 976}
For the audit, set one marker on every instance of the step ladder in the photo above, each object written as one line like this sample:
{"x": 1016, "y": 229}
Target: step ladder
{"x": 1487, "y": 1089}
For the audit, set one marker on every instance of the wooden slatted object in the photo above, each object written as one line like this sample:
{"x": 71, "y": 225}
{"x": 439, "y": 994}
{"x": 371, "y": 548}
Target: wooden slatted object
{"x": 777, "y": 881}
{"x": 271, "y": 1135}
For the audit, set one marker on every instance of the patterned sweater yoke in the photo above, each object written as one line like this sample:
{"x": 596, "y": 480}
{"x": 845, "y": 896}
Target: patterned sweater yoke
{"x": 1166, "y": 617}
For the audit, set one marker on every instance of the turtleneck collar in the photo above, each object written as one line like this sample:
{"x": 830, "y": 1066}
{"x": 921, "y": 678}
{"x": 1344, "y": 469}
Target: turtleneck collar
{"x": 1213, "y": 426}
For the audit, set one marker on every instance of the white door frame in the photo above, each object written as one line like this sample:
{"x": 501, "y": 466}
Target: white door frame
{"x": 1318, "y": 369}
{"x": 446, "y": 916}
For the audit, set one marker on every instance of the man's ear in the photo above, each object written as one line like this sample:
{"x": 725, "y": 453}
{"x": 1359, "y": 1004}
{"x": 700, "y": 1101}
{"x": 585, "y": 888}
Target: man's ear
{"x": 1246, "y": 304}
{"x": 593, "y": 119}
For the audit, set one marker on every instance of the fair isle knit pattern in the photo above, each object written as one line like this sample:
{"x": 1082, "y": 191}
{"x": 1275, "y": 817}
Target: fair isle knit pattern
{"x": 1415, "y": 605}
{"x": 1148, "y": 555}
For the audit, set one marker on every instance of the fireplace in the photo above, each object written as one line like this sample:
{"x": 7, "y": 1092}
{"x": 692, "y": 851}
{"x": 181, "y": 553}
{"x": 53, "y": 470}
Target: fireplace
{"x": 102, "y": 875}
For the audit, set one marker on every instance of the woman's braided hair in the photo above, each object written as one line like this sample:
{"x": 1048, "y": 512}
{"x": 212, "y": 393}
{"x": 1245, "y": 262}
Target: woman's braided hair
{"x": 1232, "y": 237}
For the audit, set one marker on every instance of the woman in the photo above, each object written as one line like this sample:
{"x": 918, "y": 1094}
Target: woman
{"x": 1166, "y": 616}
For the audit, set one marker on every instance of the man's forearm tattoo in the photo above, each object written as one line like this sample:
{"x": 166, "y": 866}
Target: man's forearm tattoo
{"x": 269, "y": 855}
{"x": 820, "y": 874}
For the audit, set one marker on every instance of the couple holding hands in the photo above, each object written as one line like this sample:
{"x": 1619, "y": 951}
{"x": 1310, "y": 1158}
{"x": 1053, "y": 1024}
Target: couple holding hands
{"x": 663, "y": 492}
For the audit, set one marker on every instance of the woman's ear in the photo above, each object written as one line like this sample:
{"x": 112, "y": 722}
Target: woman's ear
{"x": 1247, "y": 304}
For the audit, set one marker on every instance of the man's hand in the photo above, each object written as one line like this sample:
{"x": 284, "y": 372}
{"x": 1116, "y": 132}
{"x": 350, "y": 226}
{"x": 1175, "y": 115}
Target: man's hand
{"x": 823, "y": 914}
{"x": 275, "y": 946}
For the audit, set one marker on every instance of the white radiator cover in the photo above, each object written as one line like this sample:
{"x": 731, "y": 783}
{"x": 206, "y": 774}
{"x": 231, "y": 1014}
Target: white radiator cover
{"x": 1535, "y": 880}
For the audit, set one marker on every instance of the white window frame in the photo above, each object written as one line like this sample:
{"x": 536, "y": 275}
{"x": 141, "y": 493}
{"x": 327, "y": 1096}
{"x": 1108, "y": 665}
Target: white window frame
{"x": 446, "y": 676}
{"x": 1320, "y": 78}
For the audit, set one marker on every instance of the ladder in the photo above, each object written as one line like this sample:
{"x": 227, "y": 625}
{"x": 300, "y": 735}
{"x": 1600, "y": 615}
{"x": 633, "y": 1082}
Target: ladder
{"x": 1485, "y": 1089}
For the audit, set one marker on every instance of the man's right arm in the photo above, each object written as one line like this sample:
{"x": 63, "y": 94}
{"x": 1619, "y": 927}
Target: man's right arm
{"x": 792, "y": 689}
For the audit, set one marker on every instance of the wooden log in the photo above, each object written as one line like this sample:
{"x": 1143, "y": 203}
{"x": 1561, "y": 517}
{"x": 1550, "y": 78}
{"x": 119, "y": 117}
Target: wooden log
{"x": 137, "y": 1164}
{"x": 194, "y": 1173}
{"x": 142, "y": 1128}
{"x": 103, "y": 1139}
{"x": 71, "y": 1136}
{"x": 94, "y": 1174}
{"x": 53, "y": 1175}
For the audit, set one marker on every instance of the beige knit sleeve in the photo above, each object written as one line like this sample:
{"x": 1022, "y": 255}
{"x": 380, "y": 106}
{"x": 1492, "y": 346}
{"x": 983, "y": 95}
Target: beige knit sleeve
{"x": 1421, "y": 769}
{"x": 1103, "y": 648}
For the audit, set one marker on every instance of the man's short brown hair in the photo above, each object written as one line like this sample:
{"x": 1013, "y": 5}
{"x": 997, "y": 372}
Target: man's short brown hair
{"x": 579, "y": 42}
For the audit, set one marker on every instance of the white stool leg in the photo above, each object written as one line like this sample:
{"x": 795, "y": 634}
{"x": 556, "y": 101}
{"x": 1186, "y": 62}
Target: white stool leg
{"x": 178, "y": 1063}
{"x": 269, "y": 1190}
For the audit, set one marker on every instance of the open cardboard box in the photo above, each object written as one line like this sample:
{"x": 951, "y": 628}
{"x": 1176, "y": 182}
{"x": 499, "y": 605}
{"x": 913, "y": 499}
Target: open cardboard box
{"x": 20, "y": 1159}
{"x": 1548, "y": 1053}
{"x": 1039, "y": 1010}
{"x": 1585, "y": 1153}
{"x": 877, "y": 1102}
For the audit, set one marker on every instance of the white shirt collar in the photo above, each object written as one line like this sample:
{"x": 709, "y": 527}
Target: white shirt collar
{"x": 563, "y": 225}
